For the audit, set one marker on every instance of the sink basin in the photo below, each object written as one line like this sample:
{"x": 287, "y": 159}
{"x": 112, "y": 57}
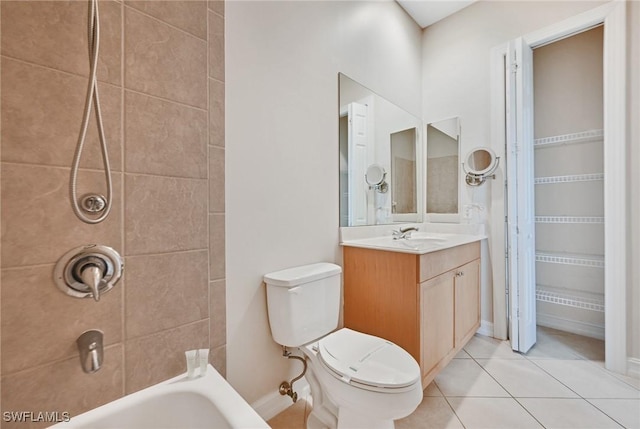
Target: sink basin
{"x": 423, "y": 238}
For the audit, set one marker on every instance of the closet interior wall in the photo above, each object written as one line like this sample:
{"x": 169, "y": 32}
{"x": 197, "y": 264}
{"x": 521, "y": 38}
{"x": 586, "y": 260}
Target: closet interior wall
{"x": 569, "y": 177}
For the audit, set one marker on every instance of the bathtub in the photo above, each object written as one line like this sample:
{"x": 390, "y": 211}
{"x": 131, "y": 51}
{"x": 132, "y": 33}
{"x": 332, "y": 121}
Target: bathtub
{"x": 179, "y": 403}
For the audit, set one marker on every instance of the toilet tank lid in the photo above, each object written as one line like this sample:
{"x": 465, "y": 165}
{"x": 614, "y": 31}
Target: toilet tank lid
{"x": 295, "y": 276}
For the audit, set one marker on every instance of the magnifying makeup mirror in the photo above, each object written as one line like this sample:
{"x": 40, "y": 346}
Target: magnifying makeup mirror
{"x": 375, "y": 176}
{"x": 480, "y": 164}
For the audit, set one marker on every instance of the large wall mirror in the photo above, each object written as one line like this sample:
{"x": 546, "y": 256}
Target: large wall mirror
{"x": 443, "y": 161}
{"x": 381, "y": 159}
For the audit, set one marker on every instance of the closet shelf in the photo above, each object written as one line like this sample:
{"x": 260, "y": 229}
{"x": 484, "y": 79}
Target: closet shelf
{"x": 568, "y": 179}
{"x": 568, "y": 299}
{"x": 570, "y": 219}
{"x": 596, "y": 261}
{"x": 581, "y": 137}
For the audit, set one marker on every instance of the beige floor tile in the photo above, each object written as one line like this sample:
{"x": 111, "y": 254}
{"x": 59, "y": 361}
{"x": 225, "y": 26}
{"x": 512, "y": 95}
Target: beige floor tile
{"x": 465, "y": 377}
{"x": 462, "y": 355}
{"x": 432, "y": 390}
{"x": 481, "y": 347}
{"x": 585, "y": 347}
{"x": 291, "y": 418}
{"x": 624, "y": 411}
{"x": 551, "y": 346}
{"x": 567, "y": 413}
{"x": 492, "y": 413}
{"x": 433, "y": 412}
{"x": 522, "y": 378}
{"x": 588, "y": 379}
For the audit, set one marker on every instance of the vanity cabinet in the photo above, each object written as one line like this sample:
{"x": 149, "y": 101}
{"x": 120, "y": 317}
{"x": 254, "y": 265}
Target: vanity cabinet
{"x": 428, "y": 304}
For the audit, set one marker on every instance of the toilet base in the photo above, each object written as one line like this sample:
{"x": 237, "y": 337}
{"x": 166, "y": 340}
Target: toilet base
{"x": 329, "y": 413}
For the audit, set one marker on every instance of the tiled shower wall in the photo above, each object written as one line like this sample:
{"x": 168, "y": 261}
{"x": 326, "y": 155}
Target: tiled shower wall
{"x": 161, "y": 82}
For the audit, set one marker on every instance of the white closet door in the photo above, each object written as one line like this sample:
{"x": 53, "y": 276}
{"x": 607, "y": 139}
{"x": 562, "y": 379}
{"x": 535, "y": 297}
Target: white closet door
{"x": 358, "y": 147}
{"x": 521, "y": 201}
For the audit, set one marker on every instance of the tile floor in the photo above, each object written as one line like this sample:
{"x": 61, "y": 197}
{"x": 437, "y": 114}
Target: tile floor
{"x": 560, "y": 383}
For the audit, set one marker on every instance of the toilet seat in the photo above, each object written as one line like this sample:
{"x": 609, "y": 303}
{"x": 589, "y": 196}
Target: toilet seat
{"x": 368, "y": 362}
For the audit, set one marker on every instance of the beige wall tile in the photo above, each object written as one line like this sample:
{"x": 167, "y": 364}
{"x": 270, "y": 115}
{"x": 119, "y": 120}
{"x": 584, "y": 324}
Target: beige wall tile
{"x": 41, "y": 115}
{"x": 216, "y": 180}
{"x": 165, "y": 291}
{"x": 216, "y": 46}
{"x": 187, "y": 15}
{"x": 218, "y": 359}
{"x": 54, "y": 34}
{"x": 216, "y": 113}
{"x": 217, "y": 313}
{"x": 163, "y": 61}
{"x": 54, "y": 320}
{"x": 165, "y": 214}
{"x": 152, "y": 359}
{"x": 216, "y": 247}
{"x": 164, "y": 138}
{"x": 217, "y": 6}
{"x": 62, "y": 386}
{"x": 38, "y": 225}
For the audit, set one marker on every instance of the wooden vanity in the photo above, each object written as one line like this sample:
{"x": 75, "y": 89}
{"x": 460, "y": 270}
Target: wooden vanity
{"x": 428, "y": 304}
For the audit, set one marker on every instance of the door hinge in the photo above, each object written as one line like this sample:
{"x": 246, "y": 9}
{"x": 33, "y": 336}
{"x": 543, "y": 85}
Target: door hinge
{"x": 514, "y": 67}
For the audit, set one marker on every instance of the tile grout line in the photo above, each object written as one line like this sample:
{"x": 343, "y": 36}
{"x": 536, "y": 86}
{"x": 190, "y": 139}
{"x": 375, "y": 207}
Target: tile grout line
{"x": 50, "y": 264}
{"x": 103, "y": 82}
{"x": 55, "y": 361}
{"x": 96, "y": 170}
{"x": 208, "y": 182}
{"x": 66, "y": 72}
{"x": 166, "y": 100}
{"x": 446, "y": 399}
{"x": 183, "y": 31}
{"x": 123, "y": 211}
{"x": 605, "y": 413}
{"x": 505, "y": 389}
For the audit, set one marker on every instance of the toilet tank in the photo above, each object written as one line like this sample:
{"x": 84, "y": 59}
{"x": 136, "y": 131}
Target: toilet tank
{"x": 303, "y": 303}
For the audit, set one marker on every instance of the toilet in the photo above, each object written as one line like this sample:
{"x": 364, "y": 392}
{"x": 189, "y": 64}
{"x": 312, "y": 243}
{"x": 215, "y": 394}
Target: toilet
{"x": 357, "y": 380}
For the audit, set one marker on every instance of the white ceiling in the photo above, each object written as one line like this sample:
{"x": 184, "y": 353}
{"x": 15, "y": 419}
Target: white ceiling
{"x": 426, "y": 12}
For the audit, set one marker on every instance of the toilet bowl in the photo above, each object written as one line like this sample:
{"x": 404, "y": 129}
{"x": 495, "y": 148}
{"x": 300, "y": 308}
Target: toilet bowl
{"x": 357, "y": 380}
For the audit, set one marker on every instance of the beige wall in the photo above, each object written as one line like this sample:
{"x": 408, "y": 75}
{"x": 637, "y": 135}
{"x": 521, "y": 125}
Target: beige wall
{"x": 161, "y": 80}
{"x": 282, "y": 156}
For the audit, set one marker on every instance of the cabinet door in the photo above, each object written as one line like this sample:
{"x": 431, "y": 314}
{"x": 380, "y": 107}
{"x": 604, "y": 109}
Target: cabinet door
{"x": 436, "y": 303}
{"x": 467, "y": 301}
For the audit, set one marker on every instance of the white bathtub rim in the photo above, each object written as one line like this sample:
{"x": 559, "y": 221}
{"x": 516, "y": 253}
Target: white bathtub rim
{"x": 229, "y": 402}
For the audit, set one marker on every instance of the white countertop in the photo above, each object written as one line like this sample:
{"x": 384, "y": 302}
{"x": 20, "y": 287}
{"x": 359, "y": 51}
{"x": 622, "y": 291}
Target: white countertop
{"x": 419, "y": 243}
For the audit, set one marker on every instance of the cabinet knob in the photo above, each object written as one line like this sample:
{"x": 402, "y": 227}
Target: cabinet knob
{"x": 460, "y": 274}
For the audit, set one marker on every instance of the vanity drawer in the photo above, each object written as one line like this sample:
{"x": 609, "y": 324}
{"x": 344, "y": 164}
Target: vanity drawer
{"x": 435, "y": 263}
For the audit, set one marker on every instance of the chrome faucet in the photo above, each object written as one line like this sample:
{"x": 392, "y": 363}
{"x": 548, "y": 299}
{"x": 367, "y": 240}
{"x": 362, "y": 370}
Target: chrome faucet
{"x": 91, "y": 350}
{"x": 403, "y": 233}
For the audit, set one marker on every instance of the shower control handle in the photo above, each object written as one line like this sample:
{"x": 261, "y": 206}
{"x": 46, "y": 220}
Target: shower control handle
{"x": 92, "y": 276}
{"x": 88, "y": 271}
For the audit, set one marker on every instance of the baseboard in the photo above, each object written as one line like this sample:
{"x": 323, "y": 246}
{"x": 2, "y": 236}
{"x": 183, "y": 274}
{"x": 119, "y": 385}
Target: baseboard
{"x": 573, "y": 326}
{"x": 633, "y": 367}
{"x": 274, "y": 403}
{"x": 486, "y": 328}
